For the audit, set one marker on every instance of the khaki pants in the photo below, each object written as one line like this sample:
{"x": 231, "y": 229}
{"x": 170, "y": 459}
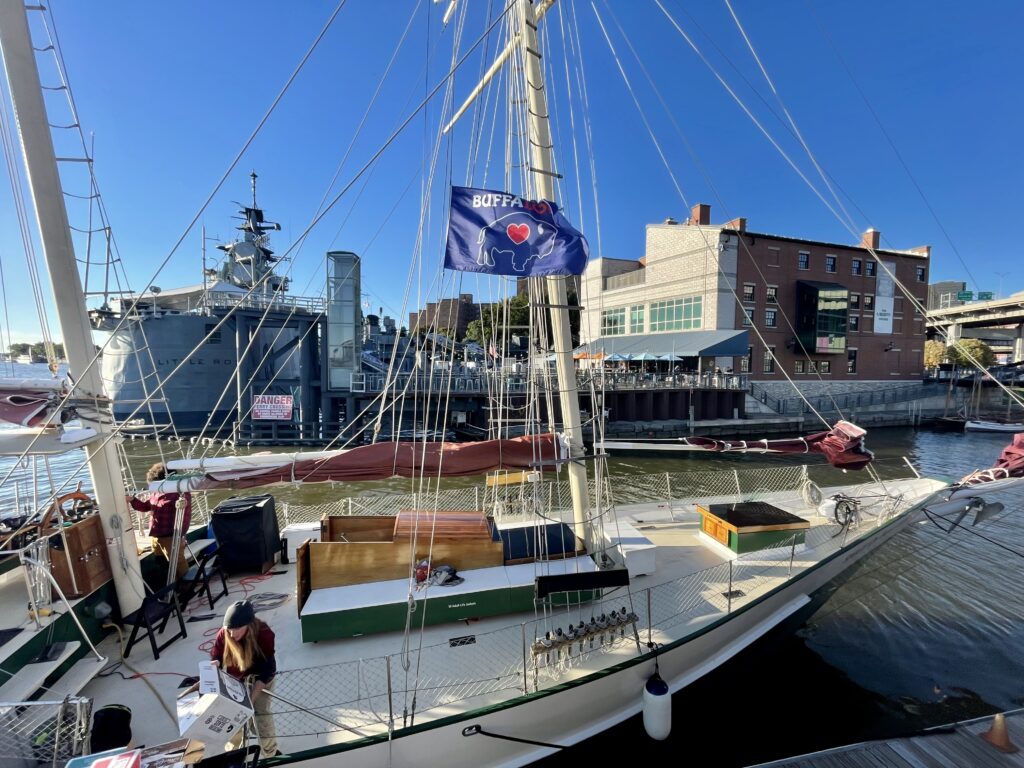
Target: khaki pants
{"x": 264, "y": 726}
{"x": 163, "y": 545}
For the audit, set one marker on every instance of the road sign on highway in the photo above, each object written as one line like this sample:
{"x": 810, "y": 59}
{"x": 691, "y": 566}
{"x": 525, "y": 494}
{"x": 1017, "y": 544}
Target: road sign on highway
{"x": 965, "y": 296}
{"x": 985, "y": 296}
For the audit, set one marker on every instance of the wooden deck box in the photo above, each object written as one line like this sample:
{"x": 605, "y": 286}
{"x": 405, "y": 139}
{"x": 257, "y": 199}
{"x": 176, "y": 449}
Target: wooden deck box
{"x": 751, "y": 525}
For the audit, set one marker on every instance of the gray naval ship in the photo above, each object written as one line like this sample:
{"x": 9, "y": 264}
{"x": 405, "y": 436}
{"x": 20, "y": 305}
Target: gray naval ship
{"x": 269, "y": 343}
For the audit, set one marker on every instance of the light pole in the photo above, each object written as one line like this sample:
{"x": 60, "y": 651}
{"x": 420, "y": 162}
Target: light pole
{"x": 1000, "y": 275}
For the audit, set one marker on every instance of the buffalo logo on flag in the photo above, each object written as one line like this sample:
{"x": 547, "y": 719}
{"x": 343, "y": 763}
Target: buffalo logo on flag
{"x": 502, "y": 234}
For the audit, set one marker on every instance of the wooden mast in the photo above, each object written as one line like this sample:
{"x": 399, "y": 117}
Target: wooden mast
{"x": 55, "y": 234}
{"x": 543, "y": 172}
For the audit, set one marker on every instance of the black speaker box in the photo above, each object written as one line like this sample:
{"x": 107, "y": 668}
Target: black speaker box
{"x": 247, "y": 534}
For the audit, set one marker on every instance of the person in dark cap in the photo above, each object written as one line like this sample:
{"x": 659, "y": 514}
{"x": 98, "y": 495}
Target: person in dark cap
{"x": 244, "y": 647}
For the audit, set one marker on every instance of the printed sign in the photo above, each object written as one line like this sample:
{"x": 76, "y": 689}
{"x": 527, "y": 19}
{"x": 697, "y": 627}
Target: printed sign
{"x": 503, "y": 234}
{"x": 267, "y": 407}
{"x": 965, "y": 296}
{"x": 885, "y": 291}
{"x": 985, "y": 296}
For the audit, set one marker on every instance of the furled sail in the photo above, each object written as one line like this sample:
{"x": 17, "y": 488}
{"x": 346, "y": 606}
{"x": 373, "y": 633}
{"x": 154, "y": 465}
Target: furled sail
{"x": 1009, "y": 466}
{"x": 843, "y": 445}
{"x": 379, "y": 462}
{"x": 28, "y": 402}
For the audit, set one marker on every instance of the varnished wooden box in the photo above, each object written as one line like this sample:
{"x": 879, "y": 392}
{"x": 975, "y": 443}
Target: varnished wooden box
{"x": 87, "y": 549}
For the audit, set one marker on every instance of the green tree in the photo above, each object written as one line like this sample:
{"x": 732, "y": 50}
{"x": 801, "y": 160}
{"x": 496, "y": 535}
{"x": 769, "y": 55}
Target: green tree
{"x": 966, "y": 349}
{"x": 513, "y": 316}
{"x": 934, "y": 353}
{"x": 19, "y": 349}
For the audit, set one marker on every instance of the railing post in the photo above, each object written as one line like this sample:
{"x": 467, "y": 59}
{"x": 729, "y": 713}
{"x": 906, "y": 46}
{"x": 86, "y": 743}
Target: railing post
{"x": 650, "y": 620}
{"x": 668, "y": 485}
{"x": 792, "y": 554}
{"x": 525, "y": 678}
{"x": 728, "y": 594}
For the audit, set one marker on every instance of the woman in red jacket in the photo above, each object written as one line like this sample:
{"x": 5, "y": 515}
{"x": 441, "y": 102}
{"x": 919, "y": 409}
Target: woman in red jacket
{"x": 244, "y": 647}
{"x": 163, "y": 507}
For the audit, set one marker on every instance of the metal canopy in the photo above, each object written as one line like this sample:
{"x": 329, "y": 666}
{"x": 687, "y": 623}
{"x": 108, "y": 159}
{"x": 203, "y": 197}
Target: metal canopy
{"x": 724, "y": 343}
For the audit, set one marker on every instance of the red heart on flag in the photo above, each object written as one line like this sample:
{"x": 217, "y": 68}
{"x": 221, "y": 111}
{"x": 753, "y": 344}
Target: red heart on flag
{"x": 518, "y": 233}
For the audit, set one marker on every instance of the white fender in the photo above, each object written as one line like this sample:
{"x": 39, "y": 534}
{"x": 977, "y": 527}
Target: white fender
{"x": 657, "y": 708}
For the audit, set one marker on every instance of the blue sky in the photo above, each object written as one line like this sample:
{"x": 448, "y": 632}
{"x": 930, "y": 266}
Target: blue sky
{"x": 171, "y": 91}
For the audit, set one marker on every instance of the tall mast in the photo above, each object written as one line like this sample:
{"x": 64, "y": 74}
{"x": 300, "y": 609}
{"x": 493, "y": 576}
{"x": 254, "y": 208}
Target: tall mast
{"x": 542, "y": 168}
{"x": 55, "y": 234}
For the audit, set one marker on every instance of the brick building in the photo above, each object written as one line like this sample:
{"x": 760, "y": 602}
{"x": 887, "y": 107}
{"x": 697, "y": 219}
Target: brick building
{"x": 821, "y": 308}
{"x": 452, "y": 314}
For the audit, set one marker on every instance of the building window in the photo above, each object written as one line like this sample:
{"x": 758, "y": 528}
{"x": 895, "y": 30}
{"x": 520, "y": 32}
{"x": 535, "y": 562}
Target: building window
{"x": 856, "y": 269}
{"x": 769, "y": 318}
{"x": 769, "y": 360}
{"x": 636, "y": 318}
{"x": 745, "y": 361}
{"x": 869, "y": 268}
{"x": 748, "y": 292}
{"x": 677, "y": 314}
{"x": 748, "y": 313}
{"x": 854, "y": 301}
{"x": 869, "y": 302}
{"x": 851, "y": 361}
{"x": 798, "y": 366}
{"x": 804, "y": 260}
{"x": 854, "y": 322}
{"x": 824, "y": 366}
{"x": 773, "y": 256}
{"x": 920, "y": 273}
{"x": 771, "y": 294}
{"x": 810, "y": 367}
{"x": 613, "y": 322}
{"x": 830, "y": 263}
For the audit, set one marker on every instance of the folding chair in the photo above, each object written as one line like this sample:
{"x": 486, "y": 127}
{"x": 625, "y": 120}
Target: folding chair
{"x": 156, "y": 609}
{"x": 196, "y": 580}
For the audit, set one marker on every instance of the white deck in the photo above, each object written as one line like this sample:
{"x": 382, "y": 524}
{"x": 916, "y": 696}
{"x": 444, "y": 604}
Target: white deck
{"x": 336, "y": 675}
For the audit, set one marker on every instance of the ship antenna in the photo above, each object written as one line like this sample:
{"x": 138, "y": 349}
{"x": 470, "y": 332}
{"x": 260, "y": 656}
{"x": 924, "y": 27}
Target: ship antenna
{"x": 253, "y": 176}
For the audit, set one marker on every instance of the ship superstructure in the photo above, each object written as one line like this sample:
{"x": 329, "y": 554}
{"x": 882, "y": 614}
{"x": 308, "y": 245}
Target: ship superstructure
{"x": 217, "y": 346}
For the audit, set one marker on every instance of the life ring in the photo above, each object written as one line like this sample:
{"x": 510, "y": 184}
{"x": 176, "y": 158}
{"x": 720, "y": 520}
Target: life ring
{"x": 811, "y": 493}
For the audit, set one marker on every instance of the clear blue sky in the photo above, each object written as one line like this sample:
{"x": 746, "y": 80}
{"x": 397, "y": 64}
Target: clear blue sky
{"x": 172, "y": 90}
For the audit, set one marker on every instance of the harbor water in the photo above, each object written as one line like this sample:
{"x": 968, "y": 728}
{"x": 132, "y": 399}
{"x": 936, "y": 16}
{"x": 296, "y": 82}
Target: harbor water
{"x": 925, "y": 631}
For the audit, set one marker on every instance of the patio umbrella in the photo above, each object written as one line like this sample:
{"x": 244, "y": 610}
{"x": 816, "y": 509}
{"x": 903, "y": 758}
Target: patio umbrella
{"x": 644, "y": 357}
{"x": 617, "y": 357}
{"x": 670, "y": 358}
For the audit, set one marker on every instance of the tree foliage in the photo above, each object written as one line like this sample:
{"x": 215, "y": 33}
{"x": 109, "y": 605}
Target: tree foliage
{"x": 512, "y": 317}
{"x": 966, "y": 349}
{"x": 36, "y": 350}
{"x": 934, "y": 353}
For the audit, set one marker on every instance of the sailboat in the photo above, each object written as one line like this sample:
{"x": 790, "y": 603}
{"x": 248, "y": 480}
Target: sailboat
{"x": 483, "y": 628}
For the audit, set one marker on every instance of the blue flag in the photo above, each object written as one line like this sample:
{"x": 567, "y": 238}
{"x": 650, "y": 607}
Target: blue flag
{"x": 501, "y": 234}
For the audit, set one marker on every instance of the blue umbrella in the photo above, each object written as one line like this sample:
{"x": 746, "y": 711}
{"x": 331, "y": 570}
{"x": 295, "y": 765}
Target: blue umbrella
{"x": 644, "y": 356}
{"x": 617, "y": 357}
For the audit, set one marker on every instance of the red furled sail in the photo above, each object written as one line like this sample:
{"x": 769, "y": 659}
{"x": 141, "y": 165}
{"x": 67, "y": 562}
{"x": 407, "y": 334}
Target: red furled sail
{"x": 1010, "y": 464}
{"x": 27, "y": 408}
{"x": 842, "y": 446}
{"x": 384, "y": 460}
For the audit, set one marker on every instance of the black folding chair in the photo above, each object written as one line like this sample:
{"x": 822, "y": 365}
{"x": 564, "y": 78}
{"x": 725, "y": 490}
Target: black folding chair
{"x": 196, "y": 581}
{"x": 152, "y": 617}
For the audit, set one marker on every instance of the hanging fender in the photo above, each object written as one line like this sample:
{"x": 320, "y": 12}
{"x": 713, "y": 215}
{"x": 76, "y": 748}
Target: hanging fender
{"x": 657, "y": 708}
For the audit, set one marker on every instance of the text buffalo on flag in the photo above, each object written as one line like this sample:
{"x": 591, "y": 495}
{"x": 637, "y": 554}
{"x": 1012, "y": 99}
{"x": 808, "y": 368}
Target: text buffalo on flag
{"x": 502, "y": 234}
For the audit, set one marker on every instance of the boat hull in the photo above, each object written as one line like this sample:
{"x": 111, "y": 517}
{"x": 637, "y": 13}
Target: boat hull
{"x": 582, "y": 708}
{"x": 992, "y": 426}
